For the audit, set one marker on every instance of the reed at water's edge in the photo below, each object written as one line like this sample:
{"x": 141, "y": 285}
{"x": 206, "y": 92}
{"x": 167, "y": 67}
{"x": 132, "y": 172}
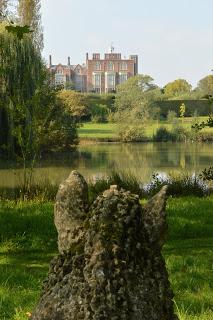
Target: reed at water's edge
{"x": 182, "y": 184}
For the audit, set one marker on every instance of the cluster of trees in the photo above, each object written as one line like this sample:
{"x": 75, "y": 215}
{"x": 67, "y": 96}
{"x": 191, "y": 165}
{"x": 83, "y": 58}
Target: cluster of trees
{"x": 88, "y": 106}
{"x": 177, "y": 88}
{"x": 133, "y": 104}
{"x": 34, "y": 116}
{"x": 180, "y": 89}
{"x": 136, "y": 96}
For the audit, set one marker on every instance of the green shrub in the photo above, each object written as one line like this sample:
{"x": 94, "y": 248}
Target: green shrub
{"x": 178, "y": 185}
{"x": 130, "y": 133}
{"x": 180, "y": 134}
{"x": 183, "y": 184}
{"x": 207, "y": 174}
{"x": 206, "y": 137}
{"x": 162, "y": 135}
{"x": 99, "y": 113}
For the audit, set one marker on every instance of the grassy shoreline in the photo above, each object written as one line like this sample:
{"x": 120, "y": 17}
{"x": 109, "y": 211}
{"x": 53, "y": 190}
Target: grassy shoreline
{"x": 29, "y": 241}
{"x": 107, "y": 132}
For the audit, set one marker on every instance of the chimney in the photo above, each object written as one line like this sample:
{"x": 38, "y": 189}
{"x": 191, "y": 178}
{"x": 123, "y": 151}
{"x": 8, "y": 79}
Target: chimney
{"x": 135, "y": 58}
{"x": 96, "y": 56}
{"x": 68, "y": 61}
{"x": 50, "y": 60}
{"x": 87, "y": 56}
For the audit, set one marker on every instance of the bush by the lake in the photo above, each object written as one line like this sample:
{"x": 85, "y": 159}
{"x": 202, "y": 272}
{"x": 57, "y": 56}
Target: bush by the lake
{"x": 99, "y": 113}
{"x": 180, "y": 134}
{"x": 207, "y": 174}
{"x": 163, "y": 135}
{"x": 183, "y": 184}
{"x": 126, "y": 181}
{"x": 129, "y": 133}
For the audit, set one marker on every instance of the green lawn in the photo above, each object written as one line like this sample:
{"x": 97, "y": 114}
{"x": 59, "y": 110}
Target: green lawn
{"x": 97, "y": 130}
{"x": 28, "y": 242}
{"x": 91, "y": 130}
{"x": 189, "y": 256}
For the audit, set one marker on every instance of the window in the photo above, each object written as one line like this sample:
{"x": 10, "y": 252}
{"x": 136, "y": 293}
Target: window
{"x": 111, "y": 80}
{"x": 110, "y": 66}
{"x": 59, "y": 79}
{"x": 97, "y": 65}
{"x": 97, "y": 80}
{"x": 123, "y": 77}
{"x": 123, "y": 65}
{"x": 97, "y": 90}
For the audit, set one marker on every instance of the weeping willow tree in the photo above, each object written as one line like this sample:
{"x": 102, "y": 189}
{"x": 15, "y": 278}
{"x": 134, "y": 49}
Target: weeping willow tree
{"x": 31, "y": 116}
{"x": 29, "y": 13}
{"x": 21, "y": 75}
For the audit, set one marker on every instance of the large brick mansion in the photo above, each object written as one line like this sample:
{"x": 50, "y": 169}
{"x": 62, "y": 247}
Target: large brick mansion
{"x": 100, "y": 75}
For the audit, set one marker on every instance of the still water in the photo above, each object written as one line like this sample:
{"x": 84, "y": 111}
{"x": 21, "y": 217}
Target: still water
{"x": 141, "y": 159}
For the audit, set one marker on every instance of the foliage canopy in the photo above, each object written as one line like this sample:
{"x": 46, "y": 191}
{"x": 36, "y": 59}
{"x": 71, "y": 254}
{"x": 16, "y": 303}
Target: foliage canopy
{"x": 205, "y": 85}
{"x": 177, "y": 88}
{"x": 133, "y": 103}
{"x": 29, "y": 109}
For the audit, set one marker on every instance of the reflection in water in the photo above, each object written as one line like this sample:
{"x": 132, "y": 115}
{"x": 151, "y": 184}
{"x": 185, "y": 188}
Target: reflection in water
{"x": 141, "y": 159}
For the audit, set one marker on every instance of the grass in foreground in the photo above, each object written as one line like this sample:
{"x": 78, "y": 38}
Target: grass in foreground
{"x": 189, "y": 258}
{"x": 28, "y": 242}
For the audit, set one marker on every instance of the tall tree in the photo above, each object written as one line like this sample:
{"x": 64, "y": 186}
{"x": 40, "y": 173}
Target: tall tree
{"x": 133, "y": 103}
{"x": 32, "y": 116}
{"x": 205, "y": 85}
{"x": 177, "y": 88}
{"x": 21, "y": 74}
{"x": 74, "y": 102}
{"x": 134, "y": 92}
{"x": 29, "y": 12}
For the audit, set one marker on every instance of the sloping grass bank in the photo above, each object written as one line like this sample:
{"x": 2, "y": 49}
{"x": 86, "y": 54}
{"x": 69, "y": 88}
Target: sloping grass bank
{"x": 108, "y": 131}
{"x": 28, "y": 241}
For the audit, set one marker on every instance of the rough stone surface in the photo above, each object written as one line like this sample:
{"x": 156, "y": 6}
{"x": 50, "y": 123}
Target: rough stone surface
{"x": 70, "y": 211}
{"x": 110, "y": 265}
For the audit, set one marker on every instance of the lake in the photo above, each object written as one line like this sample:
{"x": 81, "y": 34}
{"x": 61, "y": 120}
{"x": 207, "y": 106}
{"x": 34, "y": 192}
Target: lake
{"x": 142, "y": 159}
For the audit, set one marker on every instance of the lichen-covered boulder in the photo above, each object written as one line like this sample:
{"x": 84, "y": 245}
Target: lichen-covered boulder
{"x": 70, "y": 211}
{"x": 110, "y": 265}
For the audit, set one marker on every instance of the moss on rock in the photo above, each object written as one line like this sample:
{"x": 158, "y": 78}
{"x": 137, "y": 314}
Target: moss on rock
{"x": 119, "y": 272}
